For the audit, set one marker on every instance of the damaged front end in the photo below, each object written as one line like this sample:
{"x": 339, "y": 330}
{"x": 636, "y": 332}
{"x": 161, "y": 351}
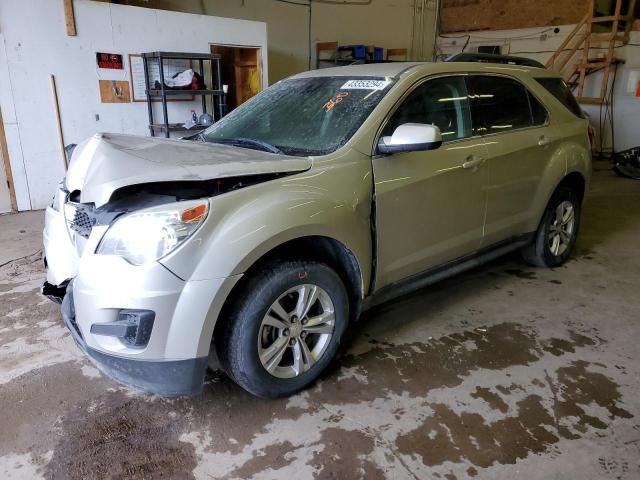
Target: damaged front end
{"x": 69, "y": 223}
{"x": 111, "y": 175}
{"x": 55, "y": 293}
{"x": 125, "y": 205}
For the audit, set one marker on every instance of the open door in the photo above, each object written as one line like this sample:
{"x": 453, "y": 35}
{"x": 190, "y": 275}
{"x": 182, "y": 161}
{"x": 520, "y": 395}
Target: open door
{"x": 241, "y": 70}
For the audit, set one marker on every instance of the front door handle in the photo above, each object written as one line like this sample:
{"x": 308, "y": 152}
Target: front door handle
{"x": 472, "y": 162}
{"x": 544, "y": 141}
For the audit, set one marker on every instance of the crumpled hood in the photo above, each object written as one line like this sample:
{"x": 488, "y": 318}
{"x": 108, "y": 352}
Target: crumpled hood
{"x": 107, "y": 162}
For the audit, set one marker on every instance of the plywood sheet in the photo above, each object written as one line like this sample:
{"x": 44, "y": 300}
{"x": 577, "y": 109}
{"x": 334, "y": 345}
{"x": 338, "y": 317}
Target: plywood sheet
{"x": 470, "y": 15}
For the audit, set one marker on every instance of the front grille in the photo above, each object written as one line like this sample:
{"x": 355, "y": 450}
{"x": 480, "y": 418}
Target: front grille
{"x": 82, "y": 223}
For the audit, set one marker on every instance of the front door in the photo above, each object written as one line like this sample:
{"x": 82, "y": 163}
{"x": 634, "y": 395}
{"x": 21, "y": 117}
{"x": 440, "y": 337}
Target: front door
{"x": 430, "y": 205}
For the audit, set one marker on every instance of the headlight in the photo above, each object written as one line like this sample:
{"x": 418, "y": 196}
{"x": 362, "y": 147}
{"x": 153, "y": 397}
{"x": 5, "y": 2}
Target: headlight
{"x": 58, "y": 197}
{"x": 147, "y": 235}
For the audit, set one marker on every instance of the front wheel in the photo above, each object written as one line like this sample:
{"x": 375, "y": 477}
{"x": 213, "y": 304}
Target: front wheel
{"x": 558, "y": 230}
{"x": 284, "y": 328}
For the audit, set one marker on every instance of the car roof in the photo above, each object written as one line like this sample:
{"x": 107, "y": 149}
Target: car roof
{"x": 399, "y": 69}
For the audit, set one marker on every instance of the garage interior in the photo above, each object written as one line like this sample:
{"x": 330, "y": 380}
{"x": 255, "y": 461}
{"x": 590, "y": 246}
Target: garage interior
{"x": 505, "y": 371}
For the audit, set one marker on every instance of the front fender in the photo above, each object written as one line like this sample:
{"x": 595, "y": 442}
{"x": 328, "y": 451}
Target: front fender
{"x": 332, "y": 200}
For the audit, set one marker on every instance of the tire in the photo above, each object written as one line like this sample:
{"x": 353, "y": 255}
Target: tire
{"x": 267, "y": 312}
{"x": 543, "y": 251}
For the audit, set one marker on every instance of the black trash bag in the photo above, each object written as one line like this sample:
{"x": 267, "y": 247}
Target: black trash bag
{"x": 627, "y": 163}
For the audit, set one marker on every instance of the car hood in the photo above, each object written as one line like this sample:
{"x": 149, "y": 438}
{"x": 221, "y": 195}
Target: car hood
{"x": 107, "y": 162}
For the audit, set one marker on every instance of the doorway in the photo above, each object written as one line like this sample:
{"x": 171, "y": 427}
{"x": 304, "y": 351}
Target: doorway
{"x": 241, "y": 70}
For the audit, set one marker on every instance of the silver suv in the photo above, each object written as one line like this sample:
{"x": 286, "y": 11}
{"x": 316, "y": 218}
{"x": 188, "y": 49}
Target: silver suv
{"x": 259, "y": 240}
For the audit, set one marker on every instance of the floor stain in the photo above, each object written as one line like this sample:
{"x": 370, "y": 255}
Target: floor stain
{"x": 5, "y": 287}
{"x": 272, "y": 457}
{"x": 442, "y": 362}
{"x": 448, "y": 436}
{"x": 493, "y": 399}
{"x": 143, "y": 440}
{"x": 348, "y": 451}
{"x": 528, "y": 275}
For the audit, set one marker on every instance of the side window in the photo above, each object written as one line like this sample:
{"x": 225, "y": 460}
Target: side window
{"x": 442, "y": 102}
{"x": 559, "y": 89}
{"x": 498, "y": 104}
{"x": 538, "y": 112}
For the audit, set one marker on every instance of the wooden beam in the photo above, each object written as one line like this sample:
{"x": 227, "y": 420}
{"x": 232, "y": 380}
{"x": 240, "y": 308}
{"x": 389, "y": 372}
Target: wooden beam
{"x": 610, "y": 18}
{"x": 56, "y": 106}
{"x": 572, "y": 52}
{"x": 568, "y": 39}
{"x": 69, "y": 18}
{"x": 7, "y": 165}
{"x": 590, "y": 100}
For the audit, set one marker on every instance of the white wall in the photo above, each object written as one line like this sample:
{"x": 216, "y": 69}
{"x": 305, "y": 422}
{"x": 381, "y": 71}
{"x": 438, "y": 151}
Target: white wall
{"x": 539, "y": 44}
{"x": 34, "y": 44}
{"x": 383, "y": 23}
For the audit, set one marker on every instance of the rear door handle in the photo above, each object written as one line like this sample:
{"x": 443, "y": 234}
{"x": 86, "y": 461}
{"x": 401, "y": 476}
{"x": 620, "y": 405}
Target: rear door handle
{"x": 472, "y": 162}
{"x": 544, "y": 141}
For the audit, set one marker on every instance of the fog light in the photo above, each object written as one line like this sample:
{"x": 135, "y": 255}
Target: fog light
{"x": 133, "y": 327}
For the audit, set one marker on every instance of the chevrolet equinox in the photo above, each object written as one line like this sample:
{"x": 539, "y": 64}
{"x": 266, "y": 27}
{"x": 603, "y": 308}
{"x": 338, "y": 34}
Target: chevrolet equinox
{"x": 258, "y": 240}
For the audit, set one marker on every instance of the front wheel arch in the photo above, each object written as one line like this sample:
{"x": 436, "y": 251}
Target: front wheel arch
{"x": 237, "y": 332}
{"x": 309, "y": 248}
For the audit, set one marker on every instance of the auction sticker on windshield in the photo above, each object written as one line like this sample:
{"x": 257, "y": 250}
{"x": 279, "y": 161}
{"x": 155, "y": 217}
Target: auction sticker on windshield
{"x": 364, "y": 85}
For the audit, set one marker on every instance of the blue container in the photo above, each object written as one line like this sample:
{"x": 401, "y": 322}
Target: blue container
{"x": 357, "y": 51}
{"x": 378, "y": 53}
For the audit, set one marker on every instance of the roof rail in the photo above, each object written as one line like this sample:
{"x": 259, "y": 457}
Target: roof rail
{"x": 493, "y": 58}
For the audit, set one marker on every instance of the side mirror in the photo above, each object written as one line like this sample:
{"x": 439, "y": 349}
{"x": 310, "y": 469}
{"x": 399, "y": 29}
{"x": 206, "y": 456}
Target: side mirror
{"x": 411, "y": 137}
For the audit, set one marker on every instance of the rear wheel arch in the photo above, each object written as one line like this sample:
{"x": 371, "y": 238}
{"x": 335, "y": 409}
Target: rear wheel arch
{"x": 570, "y": 186}
{"x": 574, "y": 180}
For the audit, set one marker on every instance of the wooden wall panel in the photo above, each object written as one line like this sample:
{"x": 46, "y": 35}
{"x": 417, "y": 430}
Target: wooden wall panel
{"x": 469, "y": 15}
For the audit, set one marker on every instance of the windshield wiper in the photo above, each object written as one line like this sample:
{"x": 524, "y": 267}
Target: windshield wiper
{"x": 247, "y": 143}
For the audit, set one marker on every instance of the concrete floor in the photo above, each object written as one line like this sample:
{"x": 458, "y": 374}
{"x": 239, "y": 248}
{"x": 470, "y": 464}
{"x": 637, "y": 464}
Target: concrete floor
{"x": 503, "y": 372}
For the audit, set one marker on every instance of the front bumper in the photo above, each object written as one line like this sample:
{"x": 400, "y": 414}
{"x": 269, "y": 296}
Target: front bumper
{"x": 172, "y": 357}
{"x": 170, "y": 377}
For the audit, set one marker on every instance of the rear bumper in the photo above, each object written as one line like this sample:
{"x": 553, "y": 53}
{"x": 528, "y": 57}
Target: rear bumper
{"x": 166, "y": 377}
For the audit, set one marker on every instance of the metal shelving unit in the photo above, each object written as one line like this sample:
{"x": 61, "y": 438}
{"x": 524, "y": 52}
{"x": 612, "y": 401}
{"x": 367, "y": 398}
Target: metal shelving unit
{"x": 216, "y": 92}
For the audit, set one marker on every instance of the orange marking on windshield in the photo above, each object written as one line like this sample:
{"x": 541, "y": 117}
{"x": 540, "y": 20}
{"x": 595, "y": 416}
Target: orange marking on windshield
{"x": 333, "y": 102}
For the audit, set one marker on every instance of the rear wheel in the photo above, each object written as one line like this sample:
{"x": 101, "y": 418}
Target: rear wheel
{"x": 284, "y": 328}
{"x": 557, "y": 232}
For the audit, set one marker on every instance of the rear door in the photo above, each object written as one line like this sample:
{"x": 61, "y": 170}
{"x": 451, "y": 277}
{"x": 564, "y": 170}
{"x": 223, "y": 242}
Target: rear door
{"x": 430, "y": 204}
{"x": 515, "y": 128}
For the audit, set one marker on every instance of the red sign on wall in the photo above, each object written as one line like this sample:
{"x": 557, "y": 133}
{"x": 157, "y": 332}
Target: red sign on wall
{"x": 109, "y": 60}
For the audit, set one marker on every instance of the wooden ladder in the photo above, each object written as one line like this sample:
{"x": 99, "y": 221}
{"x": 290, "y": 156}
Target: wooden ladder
{"x": 583, "y": 40}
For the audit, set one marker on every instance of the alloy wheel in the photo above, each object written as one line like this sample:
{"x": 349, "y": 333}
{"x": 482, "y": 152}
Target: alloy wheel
{"x": 296, "y": 331}
{"x": 561, "y": 228}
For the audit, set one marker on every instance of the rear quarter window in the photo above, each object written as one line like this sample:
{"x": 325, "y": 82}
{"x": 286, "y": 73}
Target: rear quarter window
{"x": 559, "y": 89}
